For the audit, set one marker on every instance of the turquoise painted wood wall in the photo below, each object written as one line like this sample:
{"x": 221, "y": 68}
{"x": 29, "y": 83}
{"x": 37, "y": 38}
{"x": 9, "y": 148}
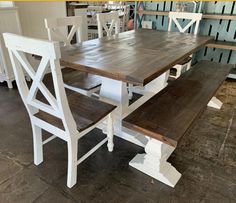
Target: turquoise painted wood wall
{"x": 220, "y": 29}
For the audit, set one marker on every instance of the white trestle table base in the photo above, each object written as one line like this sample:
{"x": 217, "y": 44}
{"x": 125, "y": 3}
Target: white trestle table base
{"x": 154, "y": 161}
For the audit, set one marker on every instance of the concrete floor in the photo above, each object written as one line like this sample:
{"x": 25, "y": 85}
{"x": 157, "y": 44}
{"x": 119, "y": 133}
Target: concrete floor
{"x": 205, "y": 157}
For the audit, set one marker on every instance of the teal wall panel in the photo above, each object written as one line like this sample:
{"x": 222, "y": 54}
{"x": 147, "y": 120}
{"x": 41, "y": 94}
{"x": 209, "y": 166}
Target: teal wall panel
{"x": 224, "y": 30}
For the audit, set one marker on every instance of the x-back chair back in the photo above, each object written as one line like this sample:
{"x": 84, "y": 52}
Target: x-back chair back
{"x": 56, "y": 105}
{"x": 194, "y": 18}
{"x": 108, "y": 18}
{"x": 53, "y": 26}
{"x": 80, "y": 28}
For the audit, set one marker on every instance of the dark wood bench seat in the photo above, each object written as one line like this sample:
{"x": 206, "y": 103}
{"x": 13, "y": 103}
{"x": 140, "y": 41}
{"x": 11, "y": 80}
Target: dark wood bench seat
{"x": 169, "y": 114}
{"x": 227, "y": 46}
{"x": 222, "y": 45}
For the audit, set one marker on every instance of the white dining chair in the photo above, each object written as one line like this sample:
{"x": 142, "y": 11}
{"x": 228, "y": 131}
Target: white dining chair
{"x": 68, "y": 118}
{"x": 83, "y": 35}
{"x": 106, "y": 24}
{"x": 78, "y": 81}
{"x": 114, "y": 6}
{"x": 194, "y": 18}
{"x": 92, "y": 12}
{"x": 124, "y": 12}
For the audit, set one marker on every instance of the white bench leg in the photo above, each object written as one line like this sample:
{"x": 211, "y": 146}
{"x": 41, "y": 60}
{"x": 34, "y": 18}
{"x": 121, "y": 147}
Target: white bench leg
{"x": 154, "y": 162}
{"x": 215, "y": 103}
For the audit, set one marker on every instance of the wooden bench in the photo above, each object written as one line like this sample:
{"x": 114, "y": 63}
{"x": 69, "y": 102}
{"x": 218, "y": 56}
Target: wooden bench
{"x": 222, "y": 45}
{"x": 167, "y": 116}
{"x": 227, "y": 46}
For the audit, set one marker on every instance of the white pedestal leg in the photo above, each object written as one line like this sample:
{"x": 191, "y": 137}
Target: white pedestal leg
{"x": 215, "y": 103}
{"x": 154, "y": 162}
{"x": 115, "y": 92}
{"x": 154, "y": 86}
{"x": 157, "y": 84}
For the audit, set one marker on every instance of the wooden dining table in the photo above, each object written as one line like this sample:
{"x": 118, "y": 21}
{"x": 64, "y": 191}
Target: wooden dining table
{"x": 140, "y": 57}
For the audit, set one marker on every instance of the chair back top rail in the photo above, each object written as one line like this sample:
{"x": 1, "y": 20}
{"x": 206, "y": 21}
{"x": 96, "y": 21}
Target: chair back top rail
{"x": 193, "y": 17}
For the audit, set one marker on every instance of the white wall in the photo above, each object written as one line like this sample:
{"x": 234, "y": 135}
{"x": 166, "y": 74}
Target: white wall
{"x": 6, "y": 4}
{"x": 32, "y": 16}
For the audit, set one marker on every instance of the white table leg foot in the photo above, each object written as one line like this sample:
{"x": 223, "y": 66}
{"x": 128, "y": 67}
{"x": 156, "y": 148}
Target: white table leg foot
{"x": 215, "y": 103}
{"x": 154, "y": 162}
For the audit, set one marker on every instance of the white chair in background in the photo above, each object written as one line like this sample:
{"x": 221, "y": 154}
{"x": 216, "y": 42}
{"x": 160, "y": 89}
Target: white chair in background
{"x": 92, "y": 12}
{"x": 114, "y": 6}
{"x": 68, "y": 118}
{"x": 106, "y": 24}
{"x": 82, "y": 12}
{"x": 78, "y": 81}
{"x": 54, "y": 25}
{"x": 194, "y": 18}
{"x": 124, "y": 13}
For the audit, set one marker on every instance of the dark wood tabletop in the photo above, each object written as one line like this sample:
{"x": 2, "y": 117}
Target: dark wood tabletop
{"x": 136, "y": 57}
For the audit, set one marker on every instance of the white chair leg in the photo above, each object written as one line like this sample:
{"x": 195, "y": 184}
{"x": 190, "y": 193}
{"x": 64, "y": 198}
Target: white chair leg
{"x": 110, "y": 144}
{"x": 154, "y": 162}
{"x": 38, "y": 144}
{"x": 72, "y": 162}
{"x": 9, "y": 84}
